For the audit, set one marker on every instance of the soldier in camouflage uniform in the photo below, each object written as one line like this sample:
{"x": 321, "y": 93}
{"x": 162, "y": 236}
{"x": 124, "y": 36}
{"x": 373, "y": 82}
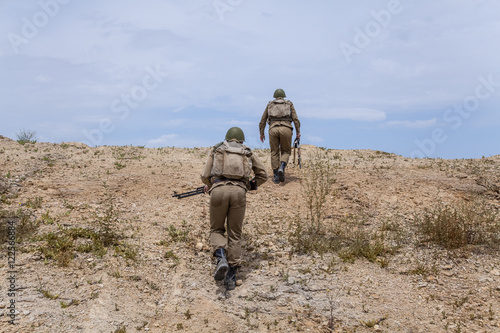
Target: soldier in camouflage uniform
{"x": 227, "y": 178}
{"x": 279, "y": 114}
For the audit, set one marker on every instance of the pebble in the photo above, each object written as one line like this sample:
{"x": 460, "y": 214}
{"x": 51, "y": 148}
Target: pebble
{"x": 199, "y": 246}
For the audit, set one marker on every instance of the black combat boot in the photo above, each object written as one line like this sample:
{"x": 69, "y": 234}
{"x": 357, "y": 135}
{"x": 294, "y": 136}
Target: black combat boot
{"x": 222, "y": 267}
{"x": 276, "y": 179}
{"x": 281, "y": 172}
{"x": 230, "y": 280}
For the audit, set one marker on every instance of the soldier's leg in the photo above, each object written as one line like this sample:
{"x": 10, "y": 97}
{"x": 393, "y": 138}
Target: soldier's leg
{"x": 219, "y": 204}
{"x": 274, "y": 143}
{"x": 286, "y": 149}
{"x": 235, "y": 219}
{"x": 285, "y": 143}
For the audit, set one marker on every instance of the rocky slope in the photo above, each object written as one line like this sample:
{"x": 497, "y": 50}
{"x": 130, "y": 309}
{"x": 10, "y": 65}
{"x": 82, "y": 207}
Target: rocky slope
{"x": 104, "y": 247}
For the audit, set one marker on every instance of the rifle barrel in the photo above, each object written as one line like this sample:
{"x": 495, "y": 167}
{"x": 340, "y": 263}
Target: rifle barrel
{"x": 199, "y": 190}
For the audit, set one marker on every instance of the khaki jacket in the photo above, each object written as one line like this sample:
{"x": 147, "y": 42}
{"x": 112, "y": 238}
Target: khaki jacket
{"x": 265, "y": 118}
{"x": 257, "y": 167}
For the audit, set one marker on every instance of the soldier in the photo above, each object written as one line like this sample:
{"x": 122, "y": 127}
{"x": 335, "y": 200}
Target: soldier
{"x": 279, "y": 114}
{"x": 227, "y": 178}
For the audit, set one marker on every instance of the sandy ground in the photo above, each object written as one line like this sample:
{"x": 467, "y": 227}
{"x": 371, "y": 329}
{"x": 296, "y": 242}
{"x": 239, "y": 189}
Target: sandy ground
{"x": 158, "y": 276}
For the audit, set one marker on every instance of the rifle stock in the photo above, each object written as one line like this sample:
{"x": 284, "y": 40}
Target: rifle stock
{"x": 296, "y": 144}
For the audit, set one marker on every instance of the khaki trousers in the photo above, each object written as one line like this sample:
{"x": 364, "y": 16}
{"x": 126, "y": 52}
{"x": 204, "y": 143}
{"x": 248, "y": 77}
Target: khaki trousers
{"x": 227, "y": 210}
{"x": 280, "y": 141}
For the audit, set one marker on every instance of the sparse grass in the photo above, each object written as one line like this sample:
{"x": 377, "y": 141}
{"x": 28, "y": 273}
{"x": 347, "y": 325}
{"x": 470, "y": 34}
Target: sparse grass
{"x": 176, "y": 235}
{"x": 119, "y": 165}
{"x": 47, "y": 219}
{"x": 61, "y": 245}
{"x": 58, "y": 247}
{"x": 188, "y": 314}
{"x": 348, "y": 237}
{"x": 34, "y": 203}
{"x": 171, "y": 255}
{"x": 127, "y": 251}
{"x": 49, "y": 160}
{"x": 460, "y": 224}
{"x": 64, "y": 305}
{"x": 25, "y": 225}
{"x": 420, "y": 269}
{"x": 48, "y": 294}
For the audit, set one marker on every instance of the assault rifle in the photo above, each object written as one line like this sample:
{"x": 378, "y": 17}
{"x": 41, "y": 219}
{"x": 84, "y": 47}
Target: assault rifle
{"x": 199, "y": 190}
{"x": 296, "y": 145}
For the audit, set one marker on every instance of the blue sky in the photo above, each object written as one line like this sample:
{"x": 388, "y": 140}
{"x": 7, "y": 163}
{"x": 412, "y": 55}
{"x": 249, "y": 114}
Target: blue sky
{"x": 415, "y": 78}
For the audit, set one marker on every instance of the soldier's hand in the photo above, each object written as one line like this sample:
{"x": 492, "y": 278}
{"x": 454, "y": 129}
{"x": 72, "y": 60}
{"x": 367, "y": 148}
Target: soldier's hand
{"x": 205, "y": 189}
{"x": 262, "y": 138}
{"x": 298, "y": 136}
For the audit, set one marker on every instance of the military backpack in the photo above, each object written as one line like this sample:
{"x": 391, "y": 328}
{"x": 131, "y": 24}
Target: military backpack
{"x": 232, "y": 160}
{"x": 279, "y": 109}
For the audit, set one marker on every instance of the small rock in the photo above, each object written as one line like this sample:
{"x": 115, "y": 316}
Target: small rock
{"x": 199, "y": 246}
{"x": 495, "y": 272}
{"x": 239, "y": 282}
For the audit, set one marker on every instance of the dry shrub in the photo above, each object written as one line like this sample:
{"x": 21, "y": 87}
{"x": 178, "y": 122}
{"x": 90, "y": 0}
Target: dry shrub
{"x": 460, "y": 224}
{"x": 347, "y": 236}
{"x": 317, "y": 180}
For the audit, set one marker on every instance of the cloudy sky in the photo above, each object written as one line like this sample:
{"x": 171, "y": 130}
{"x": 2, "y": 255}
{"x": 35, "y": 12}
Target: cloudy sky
{"x": 415, "y": 78}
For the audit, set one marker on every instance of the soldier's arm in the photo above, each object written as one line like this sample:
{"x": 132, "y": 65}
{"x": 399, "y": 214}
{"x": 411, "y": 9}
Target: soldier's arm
{"x": 295, "y": 120}
{"x": 207, "y": 169}
{"x": 262, "y": 124}
{"x": 259, "y": 170}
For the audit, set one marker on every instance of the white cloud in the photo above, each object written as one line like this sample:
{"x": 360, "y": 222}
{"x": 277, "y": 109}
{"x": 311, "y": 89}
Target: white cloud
{"x": 412, "y": 124}
{"x": 313, "y": 139}
{"x": 164, "y": 140}
{"x": 356, "y": 114}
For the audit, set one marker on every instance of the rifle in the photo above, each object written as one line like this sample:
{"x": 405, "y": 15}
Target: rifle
{"x": 199, "y": 190}
{"x": 296, "y": 144}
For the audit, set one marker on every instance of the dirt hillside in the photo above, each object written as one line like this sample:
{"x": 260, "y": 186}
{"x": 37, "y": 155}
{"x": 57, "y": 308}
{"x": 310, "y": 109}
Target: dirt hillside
{"x": 102, "y": 246}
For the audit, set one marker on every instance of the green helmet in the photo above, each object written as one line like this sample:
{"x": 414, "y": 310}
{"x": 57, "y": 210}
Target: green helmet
{"x": 279, "y": 93}
{"x": 235, "y": 133}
